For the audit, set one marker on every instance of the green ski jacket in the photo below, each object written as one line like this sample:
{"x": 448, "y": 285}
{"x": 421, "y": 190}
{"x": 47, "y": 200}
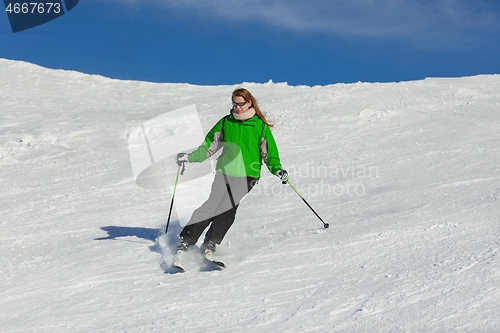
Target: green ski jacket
{"x": 246, "y": 144}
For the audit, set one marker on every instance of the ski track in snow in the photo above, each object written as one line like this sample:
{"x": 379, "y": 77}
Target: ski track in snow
{"x": 407, "y": 175}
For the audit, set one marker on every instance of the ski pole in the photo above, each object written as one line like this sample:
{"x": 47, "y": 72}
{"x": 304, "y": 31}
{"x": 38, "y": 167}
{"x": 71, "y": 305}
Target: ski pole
{"x": 326, "y": 225}
{"x": 173, "y": 194}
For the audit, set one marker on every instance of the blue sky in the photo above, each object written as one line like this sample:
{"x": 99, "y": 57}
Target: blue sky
{"x": 314, "y": 42}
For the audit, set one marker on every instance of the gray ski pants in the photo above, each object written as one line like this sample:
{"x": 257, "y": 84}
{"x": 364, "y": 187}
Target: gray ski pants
{"x": 219, "y": 210}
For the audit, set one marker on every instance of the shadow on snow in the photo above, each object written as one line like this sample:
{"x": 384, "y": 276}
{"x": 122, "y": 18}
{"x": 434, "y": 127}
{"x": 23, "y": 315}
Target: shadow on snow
{"x": 115, "y": 232}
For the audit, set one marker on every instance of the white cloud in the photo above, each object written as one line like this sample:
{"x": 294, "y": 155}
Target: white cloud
{"x": 425, "y": 22}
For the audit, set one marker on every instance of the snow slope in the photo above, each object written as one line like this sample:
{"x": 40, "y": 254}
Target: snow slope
{"x": 407, "y": 175}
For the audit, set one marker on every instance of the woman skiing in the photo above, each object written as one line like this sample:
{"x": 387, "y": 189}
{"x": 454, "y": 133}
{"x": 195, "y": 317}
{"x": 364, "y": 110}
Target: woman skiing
{"x": 246, "y": 140}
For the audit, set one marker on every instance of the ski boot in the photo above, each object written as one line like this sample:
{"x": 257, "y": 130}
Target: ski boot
{"x": 208, "y": 248}
{"x": 182, "y": 249}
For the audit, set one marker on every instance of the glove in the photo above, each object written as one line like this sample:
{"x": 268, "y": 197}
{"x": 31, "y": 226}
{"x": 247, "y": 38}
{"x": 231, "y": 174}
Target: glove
{"x": 283, "y": 175}
{"x": 182, "y": 158}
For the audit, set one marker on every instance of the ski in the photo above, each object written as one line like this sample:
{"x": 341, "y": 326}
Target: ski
{"x": 219, "y": 264}
{"x": 179, "y": 268}
{"x": 207, "y": 256}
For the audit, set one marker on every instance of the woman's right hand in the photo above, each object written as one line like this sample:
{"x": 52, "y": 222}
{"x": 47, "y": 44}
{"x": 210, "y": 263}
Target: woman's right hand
{"x": 182, "y": 158}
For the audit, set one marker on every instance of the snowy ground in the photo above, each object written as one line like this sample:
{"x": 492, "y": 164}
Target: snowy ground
{"x": 407, "y": 175}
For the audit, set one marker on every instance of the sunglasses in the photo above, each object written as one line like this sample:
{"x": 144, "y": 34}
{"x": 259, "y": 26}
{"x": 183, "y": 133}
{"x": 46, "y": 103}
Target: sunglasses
{"x": 240, "y": 104}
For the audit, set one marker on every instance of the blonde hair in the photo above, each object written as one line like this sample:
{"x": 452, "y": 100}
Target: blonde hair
{"x": 248, "y": 97}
